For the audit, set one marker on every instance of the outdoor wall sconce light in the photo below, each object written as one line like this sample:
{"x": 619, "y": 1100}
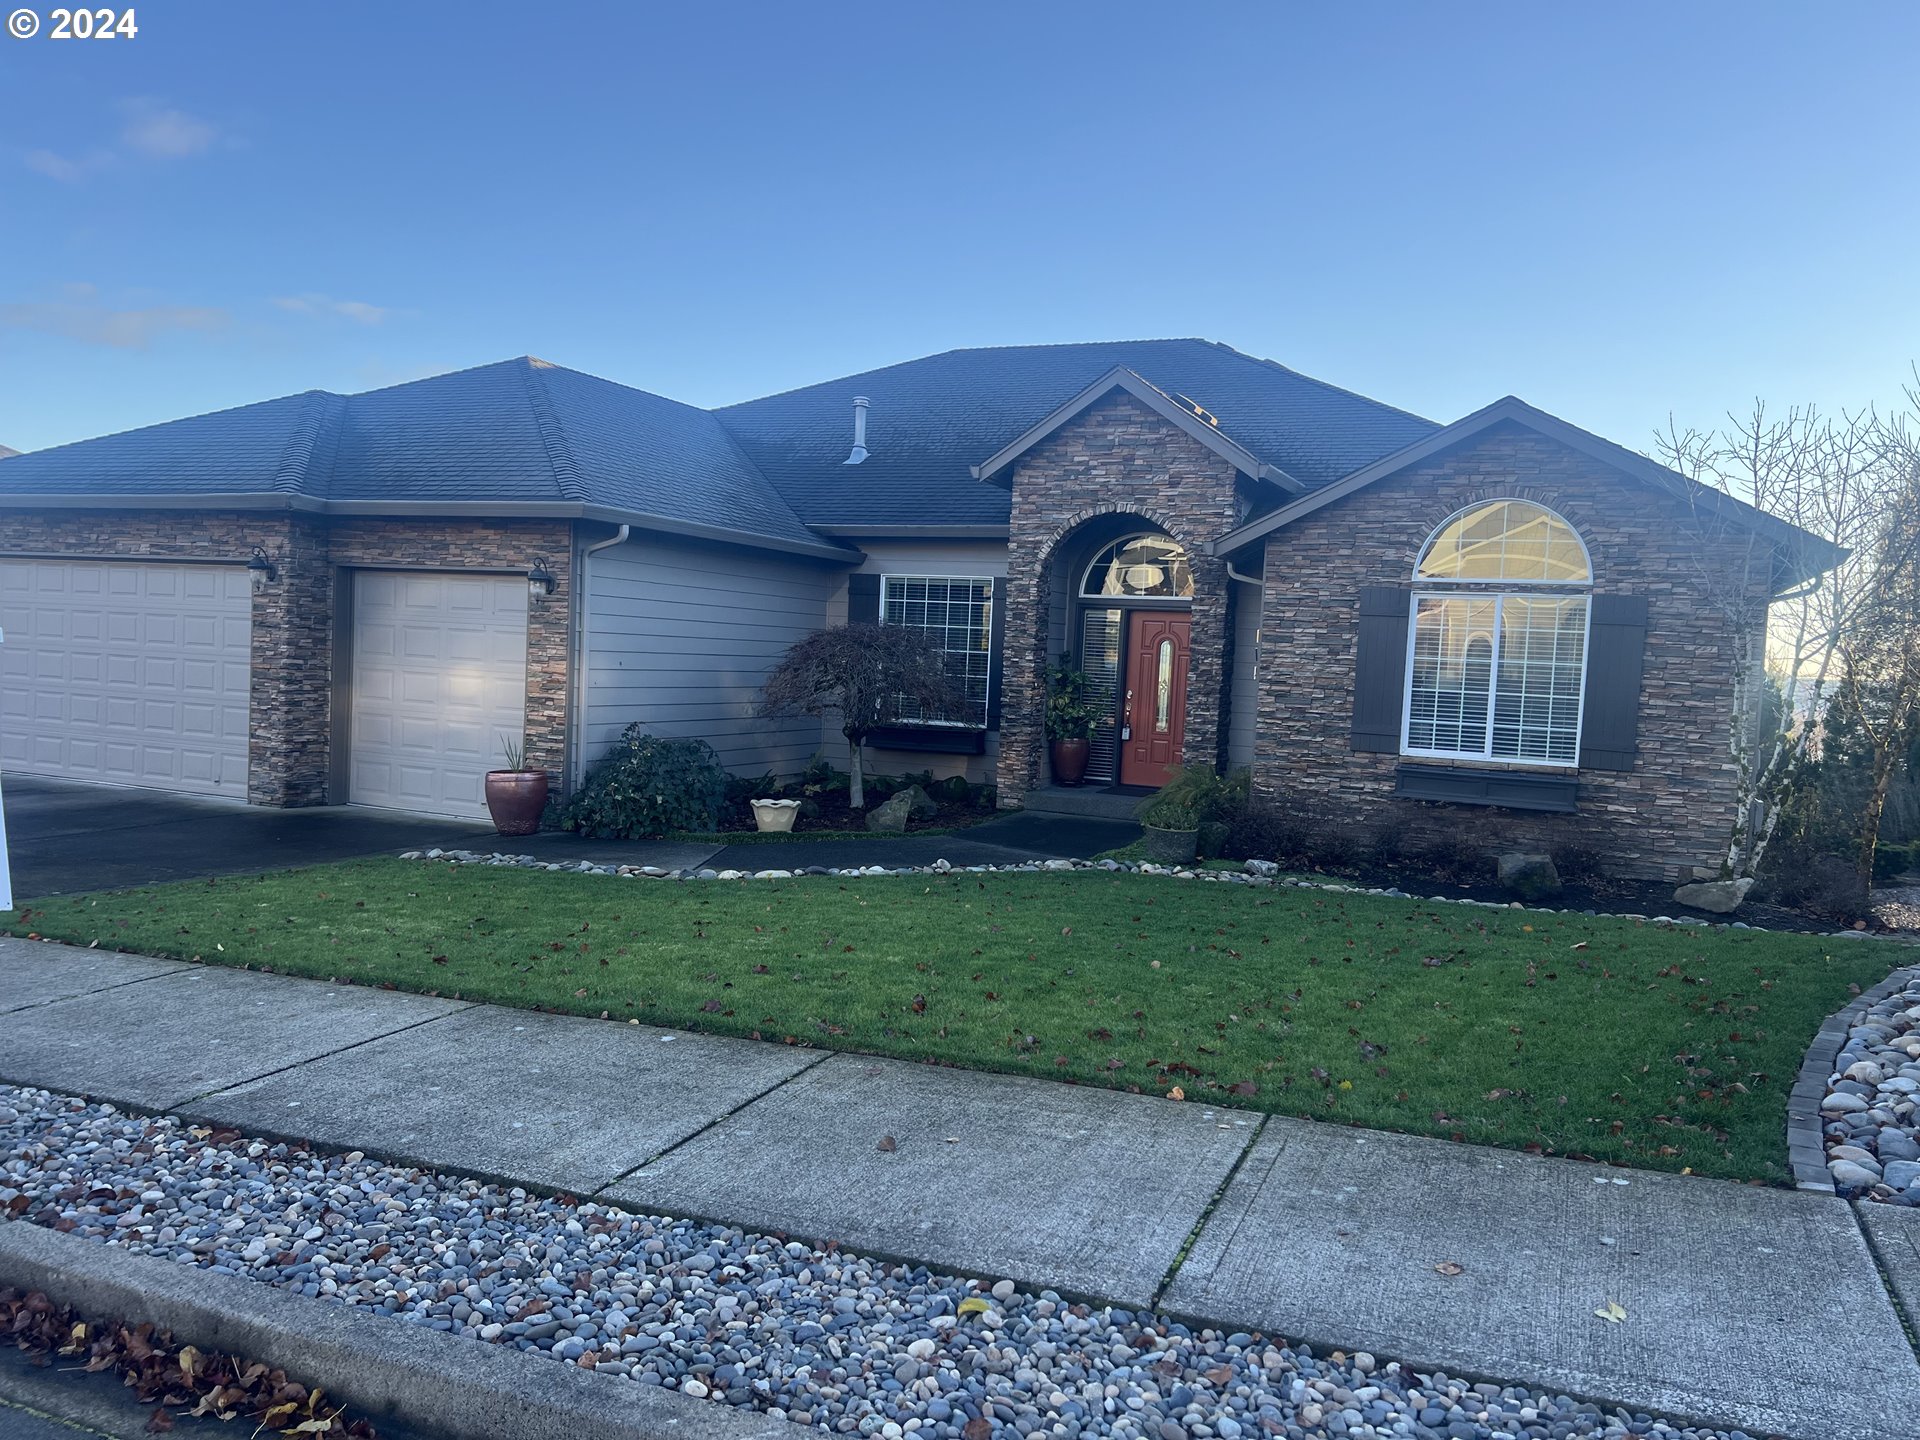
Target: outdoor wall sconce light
{"x": 260, "y": 569}
{"x": 540, "y": 581}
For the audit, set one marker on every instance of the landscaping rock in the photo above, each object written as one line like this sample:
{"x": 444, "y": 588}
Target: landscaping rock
{"x": 1717, "y": 897}
{"x": 891, "y": 817}
{"x": 1870, "y": 1115}
{"x": 920, "y": 805}
{"x": 1531, "y": 877}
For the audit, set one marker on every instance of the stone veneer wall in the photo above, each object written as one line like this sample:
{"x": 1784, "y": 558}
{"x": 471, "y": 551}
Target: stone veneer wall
{"x": 1118, "y": 457}
{"x": 292, "y": 664}
{"x": 1674, "y": 809}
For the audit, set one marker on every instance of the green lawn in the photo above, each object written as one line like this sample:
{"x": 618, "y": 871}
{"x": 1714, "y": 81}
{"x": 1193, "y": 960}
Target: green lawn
{"x": 1654, "y": 1046}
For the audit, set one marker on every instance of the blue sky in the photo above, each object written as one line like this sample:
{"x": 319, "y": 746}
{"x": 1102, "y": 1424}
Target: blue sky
{"x": 1615, "y": 211}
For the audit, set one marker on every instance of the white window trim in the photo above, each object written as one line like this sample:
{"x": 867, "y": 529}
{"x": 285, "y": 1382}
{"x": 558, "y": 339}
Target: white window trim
{"x": 1112, "y": 601}
{"x": 992, "y": 582}
{"x": 1486, "y": 755}
{"x": 1450, "y": 580}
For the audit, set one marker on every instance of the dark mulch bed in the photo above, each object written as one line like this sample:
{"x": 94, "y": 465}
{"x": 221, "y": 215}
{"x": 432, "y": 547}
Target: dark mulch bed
{"x": 1603, "y": 897}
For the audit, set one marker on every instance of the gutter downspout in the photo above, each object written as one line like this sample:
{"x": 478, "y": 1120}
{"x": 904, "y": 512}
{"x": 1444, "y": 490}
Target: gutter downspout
{"x": 1253, "y": 580}
{"x": 583, "y": 616}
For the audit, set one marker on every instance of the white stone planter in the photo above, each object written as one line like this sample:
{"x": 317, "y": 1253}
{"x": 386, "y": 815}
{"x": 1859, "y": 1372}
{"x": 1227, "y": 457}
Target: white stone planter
{"x": 775, "y": 815}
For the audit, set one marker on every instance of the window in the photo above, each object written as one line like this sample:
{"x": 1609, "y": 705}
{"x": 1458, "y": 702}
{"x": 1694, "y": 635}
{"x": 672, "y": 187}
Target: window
{"x": 1144, "y": 565}
{"x": 1498, "y": 646}
{"x": 958, "y": 615}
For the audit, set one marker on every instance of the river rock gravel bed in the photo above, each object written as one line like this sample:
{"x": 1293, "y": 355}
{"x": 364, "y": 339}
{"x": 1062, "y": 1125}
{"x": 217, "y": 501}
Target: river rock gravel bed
{"x": 823, "y": 1337}
{"x": 1870, "y": 1118}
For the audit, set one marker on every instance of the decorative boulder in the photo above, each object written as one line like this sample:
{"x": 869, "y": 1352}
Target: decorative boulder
{"x": 920, "y": 805}
{"x": 1718, "y": 897}
{"x": 1531, "y": 877}
{"x": 1266, "y": 869}
{"x": 892, "y": 816}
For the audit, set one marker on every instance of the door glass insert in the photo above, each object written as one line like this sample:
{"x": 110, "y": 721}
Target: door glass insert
{"x": 1163, "y": 688}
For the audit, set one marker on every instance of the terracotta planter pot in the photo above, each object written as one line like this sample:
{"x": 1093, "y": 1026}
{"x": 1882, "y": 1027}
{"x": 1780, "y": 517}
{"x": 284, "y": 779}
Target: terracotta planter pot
{"x": 515, "y": 799}
{"x": 1070, "y": 760}
{"x": 1172, "y": 847}
{"x": 774, "y": 816}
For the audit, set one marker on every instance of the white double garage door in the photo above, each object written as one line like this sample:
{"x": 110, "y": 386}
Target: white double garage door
{"x": 138, "y": 674}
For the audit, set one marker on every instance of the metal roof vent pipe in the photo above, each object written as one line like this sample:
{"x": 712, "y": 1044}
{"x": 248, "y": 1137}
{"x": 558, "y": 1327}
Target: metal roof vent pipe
{"x": 860, "y": 403}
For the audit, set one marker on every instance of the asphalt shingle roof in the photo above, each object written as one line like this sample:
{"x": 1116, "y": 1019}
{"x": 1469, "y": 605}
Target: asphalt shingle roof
{"x": 528, "y": 432}
{"x": 933, "y": 418}
{"x": 520, "y": 430}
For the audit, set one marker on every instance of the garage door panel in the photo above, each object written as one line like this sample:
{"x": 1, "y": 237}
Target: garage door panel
{"x": 126, "y": 672}
{"x": 439, "y": 681}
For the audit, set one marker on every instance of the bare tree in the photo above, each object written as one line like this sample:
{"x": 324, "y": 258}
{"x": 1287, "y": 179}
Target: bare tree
{"x": 866, "y": 676}
{"x": 1880, "y": 650}
{"x": 1824, "y": 477}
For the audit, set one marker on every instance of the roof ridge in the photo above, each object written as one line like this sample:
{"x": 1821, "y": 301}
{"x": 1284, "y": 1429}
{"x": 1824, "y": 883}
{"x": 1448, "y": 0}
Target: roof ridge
{"x": 553, "y": 436}
{"x": 1316, "y": 380}
{"x": 960, "y": 350}
{"x": 309, "y": 434}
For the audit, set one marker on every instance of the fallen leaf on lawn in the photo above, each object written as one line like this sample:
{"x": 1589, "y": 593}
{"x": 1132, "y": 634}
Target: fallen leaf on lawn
{"x": 1176, "y": 1093}
{"x": 973, "y": 1305}
{"x": 1612, "y": 1312}
{"x": 1450, "y": 1268}
{"x": 886, "y": 1145}
{"x": 1578, "y": 945}
{"x": 1244, "y": 1088}
{"x": 189, "y": 1359}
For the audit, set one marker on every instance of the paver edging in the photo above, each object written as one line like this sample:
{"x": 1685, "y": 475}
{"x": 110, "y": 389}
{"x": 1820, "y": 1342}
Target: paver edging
{"x": 1806, "y": 1140}
{"x": 440, "y": 1383}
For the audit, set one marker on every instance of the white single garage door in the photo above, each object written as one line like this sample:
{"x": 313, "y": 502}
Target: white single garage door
{"x": 131, "y": 674}
{"x": 439, "y": 681}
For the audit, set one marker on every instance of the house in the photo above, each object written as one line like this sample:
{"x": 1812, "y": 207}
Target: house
{"x": 1505, "y": 624}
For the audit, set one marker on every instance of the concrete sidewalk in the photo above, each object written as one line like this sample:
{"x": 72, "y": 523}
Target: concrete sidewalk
{"x": 1747, "y": 1307}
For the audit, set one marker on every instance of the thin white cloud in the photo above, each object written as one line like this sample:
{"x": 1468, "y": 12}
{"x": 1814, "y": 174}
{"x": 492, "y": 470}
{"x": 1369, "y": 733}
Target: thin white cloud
{"x": 151, "y": 131}
{"x": 355, "y": 310}
{"x": 163, "y": 133}
{"x": 68, "y": 170}
{"x": 132, "y": 329}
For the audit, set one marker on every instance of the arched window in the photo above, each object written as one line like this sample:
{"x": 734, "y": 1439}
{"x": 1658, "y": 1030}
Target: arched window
{"x": 1498, "y": 650}
{"x": 1150, "y": 566}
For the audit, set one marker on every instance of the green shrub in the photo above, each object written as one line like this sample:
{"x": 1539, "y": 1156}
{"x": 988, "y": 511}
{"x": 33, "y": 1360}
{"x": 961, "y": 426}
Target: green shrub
{"x": 1191, "y": 798}
{"x": 1891, "y": 861}
{"x": 646, "y": 787}
{"x": 954, "y": 790}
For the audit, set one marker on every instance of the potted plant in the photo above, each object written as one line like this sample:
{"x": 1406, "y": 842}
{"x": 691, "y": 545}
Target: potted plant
{"x": 516, "y": 796}
{"x": 1069, "y": 722}
{"x": 1173, "y": 814}
{"x": 1172, "y": 823}
{"x": 773, "y": 816}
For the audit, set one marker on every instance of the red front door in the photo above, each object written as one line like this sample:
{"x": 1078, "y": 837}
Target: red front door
{"x": 1155, "y": 712}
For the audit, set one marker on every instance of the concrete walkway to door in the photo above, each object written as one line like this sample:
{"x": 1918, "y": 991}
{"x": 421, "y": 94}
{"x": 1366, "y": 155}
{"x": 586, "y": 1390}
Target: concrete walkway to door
{"x": 1742, "y": 1306}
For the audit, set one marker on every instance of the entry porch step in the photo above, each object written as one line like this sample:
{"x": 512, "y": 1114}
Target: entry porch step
{"x": 1102, "y": 802}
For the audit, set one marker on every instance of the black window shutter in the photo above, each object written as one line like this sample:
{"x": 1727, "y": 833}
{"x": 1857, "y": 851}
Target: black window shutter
{"x": 1616, "y": 657}
{"x": 996, "y": 652}
{"x": 1380, "y": 668}
{"x": 863, "y": 599}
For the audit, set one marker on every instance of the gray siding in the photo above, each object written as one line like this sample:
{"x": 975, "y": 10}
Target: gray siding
{"x": 1243, "y": 688}
{"x": 680, "y": 636}
{"x": 923, "y": 557}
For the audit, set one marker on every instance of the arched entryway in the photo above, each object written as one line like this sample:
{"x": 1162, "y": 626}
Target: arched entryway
{"x": 1122, "y": 608}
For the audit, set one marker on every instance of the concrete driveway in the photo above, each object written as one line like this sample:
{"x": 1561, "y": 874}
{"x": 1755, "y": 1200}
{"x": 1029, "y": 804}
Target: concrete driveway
{"x": 63, "y": 837}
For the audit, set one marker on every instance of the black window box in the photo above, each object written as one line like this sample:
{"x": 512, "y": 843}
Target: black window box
{"x": 1508, "y": 789}
{"x": 939, "y": 739}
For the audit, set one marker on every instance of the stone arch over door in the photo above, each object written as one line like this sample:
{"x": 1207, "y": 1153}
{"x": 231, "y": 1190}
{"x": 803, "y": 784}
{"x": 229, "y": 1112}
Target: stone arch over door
{"x": 1043, "y": 577}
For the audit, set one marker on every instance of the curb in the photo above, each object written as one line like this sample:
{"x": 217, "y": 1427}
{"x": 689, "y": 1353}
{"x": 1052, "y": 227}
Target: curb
{"x": 386, "y": 1368}
{"x": 1806, "y": 1144}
